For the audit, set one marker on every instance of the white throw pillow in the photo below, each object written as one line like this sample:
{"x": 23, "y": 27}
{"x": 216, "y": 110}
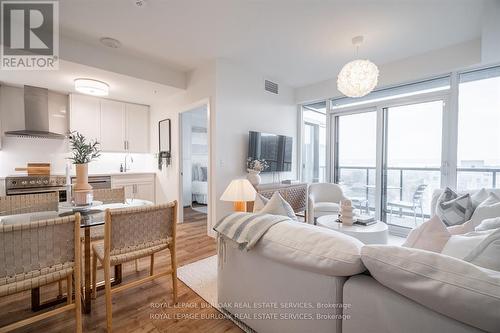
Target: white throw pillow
{"x": 487, "y": 253}
{"x": 461, "y": 228}
{"x": 450, "y": 286}
{"x": 278, "y": 206}
{"x": 488, "y": 224}
{"x": 259, "y": 203}
{"x": 488, "y": 209}
{"x": 478, "y": 197}
{"x": 431, "y": 235}
{"x": 459, "y": 246}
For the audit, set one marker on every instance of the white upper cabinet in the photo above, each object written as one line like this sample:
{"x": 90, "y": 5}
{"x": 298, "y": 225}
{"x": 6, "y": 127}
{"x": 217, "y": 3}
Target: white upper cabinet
{"x": 85, "y": 116}
{"x": 137, "y": 128}
{"x": 118, "y": 126}
{"x": 113, "y": 126}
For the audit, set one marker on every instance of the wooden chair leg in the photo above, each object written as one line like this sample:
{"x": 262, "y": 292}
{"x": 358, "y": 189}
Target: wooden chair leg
{"x": 107, "y": 283}
{"x": 69, "y": 288}
{"x": 78, "y": 303}
{"x": 59, "y": 285}
{"x": 136, "y": 265}
{"x": 173, "y": 261}
{"x": 94, "y": 276}
{"x": 151, "y": 267}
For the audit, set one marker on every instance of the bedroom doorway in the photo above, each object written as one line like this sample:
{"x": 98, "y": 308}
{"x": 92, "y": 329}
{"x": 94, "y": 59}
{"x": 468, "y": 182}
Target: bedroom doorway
{"x": 194, "y": 164}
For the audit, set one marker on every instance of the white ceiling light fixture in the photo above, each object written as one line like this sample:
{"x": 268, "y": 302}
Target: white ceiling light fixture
{"x": 110, "y": 42}
{"x": 92, "y": 87}
{"x": 358, "y": 77}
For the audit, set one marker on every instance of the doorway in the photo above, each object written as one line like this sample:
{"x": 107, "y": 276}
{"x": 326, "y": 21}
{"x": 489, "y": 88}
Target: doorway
{"x": 194, "y": 164}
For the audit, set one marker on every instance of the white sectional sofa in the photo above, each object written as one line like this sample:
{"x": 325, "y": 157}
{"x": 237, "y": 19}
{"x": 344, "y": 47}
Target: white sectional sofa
{"x": 304, "y": 278}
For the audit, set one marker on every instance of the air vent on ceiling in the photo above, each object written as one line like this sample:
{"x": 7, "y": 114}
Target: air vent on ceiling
{"x": 271, "y": 87}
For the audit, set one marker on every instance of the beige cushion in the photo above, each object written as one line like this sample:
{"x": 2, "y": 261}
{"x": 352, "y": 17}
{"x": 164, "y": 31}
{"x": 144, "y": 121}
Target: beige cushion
{"x": 330, "y": 207}
{"x": 478, "y": 197}
{"x": 459, "y": 246}
{"x": 312, "y": 248}
{"x": 488, "y": 224}
{"x": 487, "y": 253}
{"x": 489, "y": 208}
{"x": 259, "y": 203}
{"x": 278, "y": 206}
{"x": 450, "y": 286}
{"x": 431, "y": 235}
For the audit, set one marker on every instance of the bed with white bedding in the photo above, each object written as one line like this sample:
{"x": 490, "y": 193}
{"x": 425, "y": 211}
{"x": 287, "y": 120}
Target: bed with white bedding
{"x": 199, "y": 184}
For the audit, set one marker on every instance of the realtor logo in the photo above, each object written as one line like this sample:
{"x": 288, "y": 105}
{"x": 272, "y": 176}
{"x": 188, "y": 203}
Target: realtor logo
{"x": 29, "y": 35}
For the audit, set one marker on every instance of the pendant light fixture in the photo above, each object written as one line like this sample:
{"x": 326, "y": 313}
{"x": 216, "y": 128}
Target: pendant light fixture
{"x": 358, "y": 77}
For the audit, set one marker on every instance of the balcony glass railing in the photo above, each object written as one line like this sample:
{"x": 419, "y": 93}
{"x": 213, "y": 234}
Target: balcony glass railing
{"x": 358, "y": 183}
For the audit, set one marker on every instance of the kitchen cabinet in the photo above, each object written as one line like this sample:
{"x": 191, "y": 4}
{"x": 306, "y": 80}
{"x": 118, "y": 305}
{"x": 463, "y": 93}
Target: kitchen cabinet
{"x": 118, "y": 126}
{"x": 137, "y": 186}
{"x": 85, "y": 116}
{"x": 112, "y": 124}
{"x": 137, "y": 128}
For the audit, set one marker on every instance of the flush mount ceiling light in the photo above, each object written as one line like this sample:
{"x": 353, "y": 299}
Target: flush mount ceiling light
{"x": 110, "y": 42}
{"x": 92, "y": 87}
{"x": 359, "y": 77}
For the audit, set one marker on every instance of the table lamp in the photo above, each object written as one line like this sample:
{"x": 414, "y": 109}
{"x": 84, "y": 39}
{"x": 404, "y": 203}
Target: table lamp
{"x": 239, "y": 192}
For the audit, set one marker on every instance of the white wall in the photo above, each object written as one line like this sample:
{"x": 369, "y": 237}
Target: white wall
{"x": 490, "y": 44}
{"x": 200, "y": 89}
{"x": 16, "y": 152}
{"x": 411, "y": 69}
{"x": 243, "y": 105}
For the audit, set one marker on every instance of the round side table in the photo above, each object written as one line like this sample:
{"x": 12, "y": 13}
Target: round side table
{"x": 376, "y": 233}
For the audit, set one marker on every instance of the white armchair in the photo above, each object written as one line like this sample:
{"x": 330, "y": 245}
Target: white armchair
{"x": 323, "y": 199}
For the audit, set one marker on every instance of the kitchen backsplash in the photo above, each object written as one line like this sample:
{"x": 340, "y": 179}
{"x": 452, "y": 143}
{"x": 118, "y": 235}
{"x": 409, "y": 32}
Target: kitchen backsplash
{"x": 16, "y": 152}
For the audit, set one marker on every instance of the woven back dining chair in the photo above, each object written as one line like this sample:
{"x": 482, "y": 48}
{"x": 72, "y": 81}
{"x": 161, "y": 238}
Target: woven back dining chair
{"x": 110, "y": 195}
{"x": 39, "y": 253}
{"x": 106, "y": 196}
{"x": 134, "y": 233}
{"x": 28, "y": 203}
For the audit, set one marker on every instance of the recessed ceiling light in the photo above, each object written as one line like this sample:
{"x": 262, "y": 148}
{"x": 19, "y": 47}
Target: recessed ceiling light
{"x": 110, "y": 42}
{"x": 92, "y": 87}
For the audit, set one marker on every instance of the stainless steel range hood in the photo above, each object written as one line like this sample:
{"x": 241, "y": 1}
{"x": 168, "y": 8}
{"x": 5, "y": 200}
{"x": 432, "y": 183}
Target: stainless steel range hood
{"x": 36, "y": 115}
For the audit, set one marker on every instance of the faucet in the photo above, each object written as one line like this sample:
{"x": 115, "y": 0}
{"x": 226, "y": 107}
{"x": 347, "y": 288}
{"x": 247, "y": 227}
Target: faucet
{"x": 125, "y": 169}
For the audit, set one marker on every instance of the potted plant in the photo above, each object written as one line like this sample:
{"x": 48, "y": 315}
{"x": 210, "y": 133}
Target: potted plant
{"x": 83, "y": 152}
{"x": 254, "y": 168}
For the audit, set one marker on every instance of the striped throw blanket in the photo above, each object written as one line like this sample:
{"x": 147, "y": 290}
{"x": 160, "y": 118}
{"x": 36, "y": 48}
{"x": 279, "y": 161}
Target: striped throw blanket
{"x": 247, "y": 228}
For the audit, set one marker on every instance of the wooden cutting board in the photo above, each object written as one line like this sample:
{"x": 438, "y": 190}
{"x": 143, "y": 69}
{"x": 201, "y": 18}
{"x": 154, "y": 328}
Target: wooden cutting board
{"x": 36, "y": 169}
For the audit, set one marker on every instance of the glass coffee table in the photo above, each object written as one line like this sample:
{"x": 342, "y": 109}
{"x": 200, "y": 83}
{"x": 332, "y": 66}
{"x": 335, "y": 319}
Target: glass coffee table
{"x": 376, "y": 233}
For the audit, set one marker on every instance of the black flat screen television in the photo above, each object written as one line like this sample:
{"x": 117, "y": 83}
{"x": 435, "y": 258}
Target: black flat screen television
{"x": 275, "y": 149}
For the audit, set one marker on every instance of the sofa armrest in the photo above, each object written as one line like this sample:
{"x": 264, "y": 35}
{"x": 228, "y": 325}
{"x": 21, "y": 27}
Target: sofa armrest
{"x": 450, "y": 286}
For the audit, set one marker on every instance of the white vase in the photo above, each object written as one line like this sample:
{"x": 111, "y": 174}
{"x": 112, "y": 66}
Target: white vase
{"x": 253, "y": 177}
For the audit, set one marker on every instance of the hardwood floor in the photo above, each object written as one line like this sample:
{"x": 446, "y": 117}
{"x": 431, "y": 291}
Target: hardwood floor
{"x": 191, "y": 215}
{"x": 147, "y": 308}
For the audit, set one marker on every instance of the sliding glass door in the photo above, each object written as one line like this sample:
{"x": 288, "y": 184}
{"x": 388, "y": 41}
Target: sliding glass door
{"x": 356, "y": 153}
{"x": 412, "y": 161}
{"x": 314, "y": 143}
{"x": 478, "y": 160}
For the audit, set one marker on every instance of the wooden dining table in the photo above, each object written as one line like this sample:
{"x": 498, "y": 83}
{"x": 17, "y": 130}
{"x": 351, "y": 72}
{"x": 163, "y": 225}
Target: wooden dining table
{"x": 90, "y": 217}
